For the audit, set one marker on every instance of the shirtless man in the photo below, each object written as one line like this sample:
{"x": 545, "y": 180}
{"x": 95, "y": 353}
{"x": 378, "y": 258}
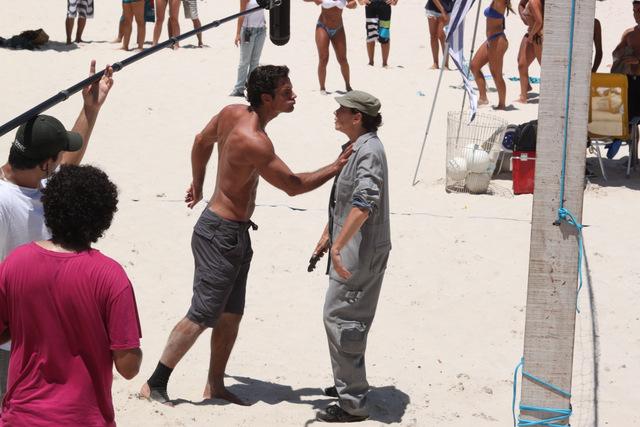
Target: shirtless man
{"x": 220, "y": 243}
{"x": 626, "y": 60}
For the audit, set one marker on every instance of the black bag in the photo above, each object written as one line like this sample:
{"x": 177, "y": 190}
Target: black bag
{"x": 525, "y": 136}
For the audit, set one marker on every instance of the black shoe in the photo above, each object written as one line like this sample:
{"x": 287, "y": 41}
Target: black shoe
{"x": 331, "y": 391}
{"x": 335, "y": 414}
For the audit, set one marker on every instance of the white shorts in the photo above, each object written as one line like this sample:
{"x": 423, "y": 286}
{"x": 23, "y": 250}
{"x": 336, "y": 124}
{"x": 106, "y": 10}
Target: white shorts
{"x": 432, "y": 14}
{"x": 190, "y": 9}
{"x": 81, "y": 8}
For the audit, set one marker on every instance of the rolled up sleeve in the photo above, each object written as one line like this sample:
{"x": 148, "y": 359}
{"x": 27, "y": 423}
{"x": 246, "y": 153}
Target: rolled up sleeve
{"x": 368, "y": 182}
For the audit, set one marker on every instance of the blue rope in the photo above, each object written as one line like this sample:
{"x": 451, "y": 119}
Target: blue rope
{"x": 561, "y": 414}
{"x": 566, "y": 105}
{"x": 566, "y": 215}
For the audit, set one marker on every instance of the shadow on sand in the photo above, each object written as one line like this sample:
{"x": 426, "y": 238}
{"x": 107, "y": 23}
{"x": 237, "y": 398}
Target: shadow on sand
{"x": 387, "y": 404}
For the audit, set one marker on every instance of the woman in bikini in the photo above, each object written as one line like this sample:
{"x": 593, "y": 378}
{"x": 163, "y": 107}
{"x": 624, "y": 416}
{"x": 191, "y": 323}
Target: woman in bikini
{"x": 532, "y": 14}
{"x": 329, "y": 29}
{"x": 492, "y": 52}
{"x": 438, "y": 17}
{"x": 174, "y": 25}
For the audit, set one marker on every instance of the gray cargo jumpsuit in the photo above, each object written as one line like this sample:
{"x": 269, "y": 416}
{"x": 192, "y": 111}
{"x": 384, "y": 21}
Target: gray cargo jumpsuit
{"x": 350, "y": 305}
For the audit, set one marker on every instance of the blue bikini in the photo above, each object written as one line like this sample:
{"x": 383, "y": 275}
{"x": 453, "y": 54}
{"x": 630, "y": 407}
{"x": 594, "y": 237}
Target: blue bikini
{"x": 490, "y": 12}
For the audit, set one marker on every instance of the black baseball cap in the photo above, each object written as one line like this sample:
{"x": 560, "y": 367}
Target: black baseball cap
{"x": 43, "y": 137}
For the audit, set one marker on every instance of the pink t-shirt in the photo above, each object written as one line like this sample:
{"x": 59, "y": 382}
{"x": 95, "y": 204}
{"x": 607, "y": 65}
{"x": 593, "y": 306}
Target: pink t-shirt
{"x": 65, "y": 312}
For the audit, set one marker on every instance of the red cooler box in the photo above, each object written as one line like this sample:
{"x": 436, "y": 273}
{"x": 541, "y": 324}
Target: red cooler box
{"x": 523, "y": 169}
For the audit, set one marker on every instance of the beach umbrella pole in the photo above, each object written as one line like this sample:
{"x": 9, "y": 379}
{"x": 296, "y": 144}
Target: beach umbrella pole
{"x": 65, "y": 94}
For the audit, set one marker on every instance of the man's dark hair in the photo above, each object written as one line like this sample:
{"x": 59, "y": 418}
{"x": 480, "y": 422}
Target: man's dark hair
{"x": 18, "y": 161}
{"x": 79, "y": 203}
{"x": 369, "y": 123}
{"x": 265, "y": 79}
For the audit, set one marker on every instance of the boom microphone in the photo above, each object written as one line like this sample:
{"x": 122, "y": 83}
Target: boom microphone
{"x": 279, "y": 23}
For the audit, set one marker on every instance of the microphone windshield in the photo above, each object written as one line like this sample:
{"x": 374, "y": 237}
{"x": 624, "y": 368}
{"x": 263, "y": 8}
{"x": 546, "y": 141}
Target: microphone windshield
{"x": 279, "y": 23}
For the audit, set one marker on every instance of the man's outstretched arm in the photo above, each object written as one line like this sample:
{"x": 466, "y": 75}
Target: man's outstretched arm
{"x": 278, "y": 174}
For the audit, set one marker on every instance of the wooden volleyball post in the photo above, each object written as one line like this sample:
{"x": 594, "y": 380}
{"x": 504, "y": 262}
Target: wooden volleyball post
{"x": 553, "y": 258}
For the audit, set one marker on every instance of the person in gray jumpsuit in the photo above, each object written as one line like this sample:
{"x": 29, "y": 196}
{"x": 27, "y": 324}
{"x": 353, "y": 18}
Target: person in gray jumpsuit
{"x": 357, "y": 237}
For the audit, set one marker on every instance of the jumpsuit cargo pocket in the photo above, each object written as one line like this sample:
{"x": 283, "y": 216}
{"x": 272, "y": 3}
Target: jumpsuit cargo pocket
{"x": 353, "y": 336}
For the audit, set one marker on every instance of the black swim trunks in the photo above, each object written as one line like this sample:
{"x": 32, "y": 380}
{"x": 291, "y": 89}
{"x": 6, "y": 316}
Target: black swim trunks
{"x": 378, "y": 21}
{"x": 222, "y": 255}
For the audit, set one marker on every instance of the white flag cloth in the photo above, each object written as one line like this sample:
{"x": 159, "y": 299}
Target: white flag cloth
{"x": 455, "y": 39}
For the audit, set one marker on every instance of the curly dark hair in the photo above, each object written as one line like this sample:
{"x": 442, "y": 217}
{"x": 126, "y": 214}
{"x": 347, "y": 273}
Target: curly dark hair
{"x": 79, "y": 203}
{"x": 369, "y": 123}
{"x": 265, "y": 79}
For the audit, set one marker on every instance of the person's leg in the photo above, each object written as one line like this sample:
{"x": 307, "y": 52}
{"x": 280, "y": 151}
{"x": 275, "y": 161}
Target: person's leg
{"x": 339, "y": 43}
{"x": 82, "y": 21}
{"x": 118, "y": 39}
{"x": 525, "y": 58}
{"x": 537, "y": 51}
{"x": 197, "y": 24}
{"x": 348, "y": 314}
{"x": 161, "y": 7}
{"x": 181, "y": 339}
{"x": 371, "y": 23}
{"x": 243, "y": 65}
{"x": 480, "y": 59}
{"x": 223, "y": 337}
{"x": 322, "y": 43}
{"x": 128, "y": 19}
{"x": 174, "y": 24}
{"x": 496, "y": 53}
{"x": 384, "y": 31}
{"x": 434, "y": 40}
{"x": 257, "y": 43}
{"x": 138, "y": 14}
{"x": 441, "y": 38}
{"x": 68, "y": 25}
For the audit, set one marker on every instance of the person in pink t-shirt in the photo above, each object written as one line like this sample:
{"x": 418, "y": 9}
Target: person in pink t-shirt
{"x": 69, "y": 311}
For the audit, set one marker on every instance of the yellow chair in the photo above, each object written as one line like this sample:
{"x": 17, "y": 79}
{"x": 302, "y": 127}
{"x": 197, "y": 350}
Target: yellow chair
{"x": 608, "y": 115}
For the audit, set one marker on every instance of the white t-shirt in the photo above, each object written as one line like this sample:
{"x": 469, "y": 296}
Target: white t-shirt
{"x": 21, "y": 217}
{"x": 254, "y": 19}
{"x": 21, "y": 220}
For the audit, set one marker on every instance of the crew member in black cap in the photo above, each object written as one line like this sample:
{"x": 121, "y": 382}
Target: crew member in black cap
{"x": 39, "y": 147}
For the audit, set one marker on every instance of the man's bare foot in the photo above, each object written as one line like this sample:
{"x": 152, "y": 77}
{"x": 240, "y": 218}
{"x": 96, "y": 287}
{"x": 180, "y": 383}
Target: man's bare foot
{"x": 483, "y": 101}
{"x": 499, "y": 107}
{"x": 223, "y": 394}
{"x": 522, "y": 99}
{"x": 80, "y": 41}
{"x": 68, "y": 41}
{"x": 434, "y": 66}
{"x": 371, "y": 63}
{"x": 348, "y": 88}
{"x": 158, "y": 395}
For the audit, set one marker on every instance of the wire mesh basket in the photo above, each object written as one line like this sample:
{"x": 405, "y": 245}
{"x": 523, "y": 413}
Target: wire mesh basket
{"x": 472, "y": 151}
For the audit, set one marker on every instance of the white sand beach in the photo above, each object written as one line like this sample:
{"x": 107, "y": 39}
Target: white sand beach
{"x": 450, "y": 322}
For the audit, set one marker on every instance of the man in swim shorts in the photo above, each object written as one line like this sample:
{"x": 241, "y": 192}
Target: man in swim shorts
{"x": 83, "y": 9}
{"x": 191, "y": 12}
{"x": 378, "y": 25}
{"x": 220, "y": 243}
